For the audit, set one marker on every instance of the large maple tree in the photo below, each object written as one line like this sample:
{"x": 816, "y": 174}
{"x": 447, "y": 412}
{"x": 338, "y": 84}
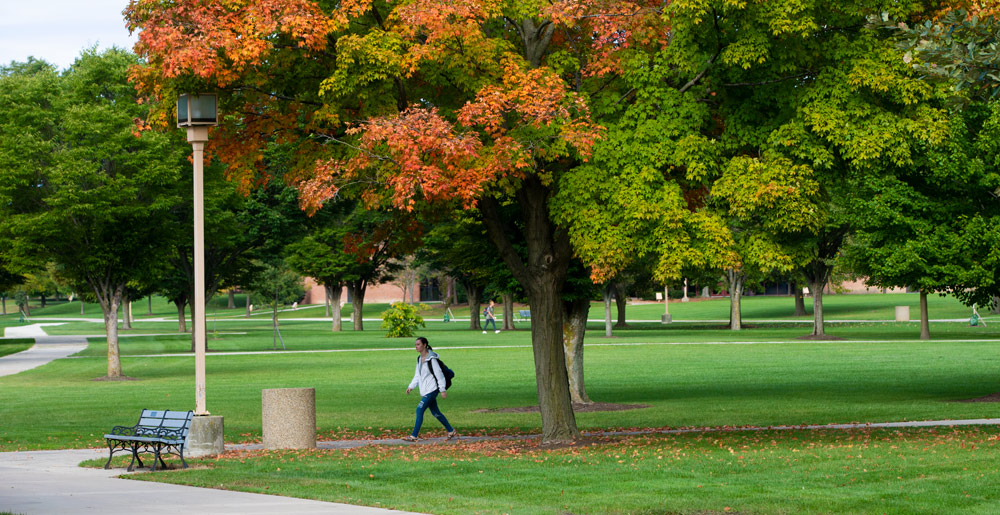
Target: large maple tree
{"x": 411, "y": 104}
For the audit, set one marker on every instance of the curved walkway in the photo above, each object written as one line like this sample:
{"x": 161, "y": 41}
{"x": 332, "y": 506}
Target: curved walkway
{"x": 46, "y": 348}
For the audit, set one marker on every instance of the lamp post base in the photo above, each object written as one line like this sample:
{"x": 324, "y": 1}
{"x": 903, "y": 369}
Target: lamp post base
{"x": 666, "y": 319}
{"x": 205, "y": 437}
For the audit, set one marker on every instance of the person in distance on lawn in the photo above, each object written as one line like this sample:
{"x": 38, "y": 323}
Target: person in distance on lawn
{"x": 430, "y": 378}
{"x": 491, "y": 318}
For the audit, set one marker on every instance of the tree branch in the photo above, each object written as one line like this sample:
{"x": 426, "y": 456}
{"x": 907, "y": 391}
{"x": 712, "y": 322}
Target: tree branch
{"x": 765, "y": 82}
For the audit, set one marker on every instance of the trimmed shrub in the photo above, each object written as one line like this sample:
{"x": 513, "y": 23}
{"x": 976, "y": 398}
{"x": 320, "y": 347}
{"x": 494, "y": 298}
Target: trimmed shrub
{"x": 401, "y": 320}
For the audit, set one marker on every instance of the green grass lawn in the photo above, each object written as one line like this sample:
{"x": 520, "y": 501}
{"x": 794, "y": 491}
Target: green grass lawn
{"x": 864, "y": 471}
{"x": 688, "y": 374}
{"x": 797, "y": 382}
{"x": 836, "y": 307}
{"x": 14, "y": 345}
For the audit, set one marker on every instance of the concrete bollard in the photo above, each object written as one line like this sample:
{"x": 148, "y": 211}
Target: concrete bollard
{"x": 902, "y": 313}
{"x": 288, "y": 416}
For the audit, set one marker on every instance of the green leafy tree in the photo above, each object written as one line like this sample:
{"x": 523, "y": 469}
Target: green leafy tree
{"x": 930, "y": 226}
{"x": 275, "y": 286}
{"x": 86, "y": 190}
{"x": 239, "y": 229}
{"x": 958, "y": 46}
{"x": 8, "y": 281}
{"x": 375, "y": 239}
{"x": 321, "y": 254}
{"x": 454, "y": 245}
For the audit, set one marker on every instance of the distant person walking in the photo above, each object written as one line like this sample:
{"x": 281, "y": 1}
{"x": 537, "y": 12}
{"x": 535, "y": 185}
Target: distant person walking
{"x": 491, "y": 318}
{"x": 430, "y": 378}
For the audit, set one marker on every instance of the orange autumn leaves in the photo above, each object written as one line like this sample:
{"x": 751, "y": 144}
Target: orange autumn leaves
{"x": 519, "y": 117}
{"x": 218, "y": 41}
{"x": 420, "y": 154}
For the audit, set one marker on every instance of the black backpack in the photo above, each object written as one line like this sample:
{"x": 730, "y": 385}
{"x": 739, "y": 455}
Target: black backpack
{"x": 447, "y": 372}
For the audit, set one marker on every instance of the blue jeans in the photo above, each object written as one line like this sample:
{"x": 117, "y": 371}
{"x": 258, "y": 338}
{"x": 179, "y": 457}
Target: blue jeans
{"x": 490, "y": 321}
{"x": 430, "y": 401}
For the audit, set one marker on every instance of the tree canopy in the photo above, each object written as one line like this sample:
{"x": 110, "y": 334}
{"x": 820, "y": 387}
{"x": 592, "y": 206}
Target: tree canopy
{"x": 82, "y": 185}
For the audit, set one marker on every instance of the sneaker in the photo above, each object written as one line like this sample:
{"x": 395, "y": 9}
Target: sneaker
{"x": 497, "y": 331}
{"x": 452, "y": 435}
{"x": 409, "y": 438}
{"x": 484, "y": 332}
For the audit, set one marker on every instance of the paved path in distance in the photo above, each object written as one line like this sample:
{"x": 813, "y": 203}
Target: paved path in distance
{"x": 46, "y": 348}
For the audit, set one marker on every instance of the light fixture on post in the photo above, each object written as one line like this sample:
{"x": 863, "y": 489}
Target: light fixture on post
{"x": 197, "y": 113}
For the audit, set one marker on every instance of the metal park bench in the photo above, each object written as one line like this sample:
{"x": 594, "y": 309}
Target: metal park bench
{"x": 524, "y": 314}
{"x": 158, "y": 431}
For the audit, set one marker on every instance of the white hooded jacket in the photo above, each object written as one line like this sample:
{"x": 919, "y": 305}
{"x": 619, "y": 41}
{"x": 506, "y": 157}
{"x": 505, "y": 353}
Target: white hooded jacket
{"x": 428, "y": 375}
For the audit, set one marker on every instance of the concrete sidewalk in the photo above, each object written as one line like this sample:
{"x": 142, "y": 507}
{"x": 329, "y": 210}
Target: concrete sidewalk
{"x": 50, "y": 482}
{"x": 46, "y": 349}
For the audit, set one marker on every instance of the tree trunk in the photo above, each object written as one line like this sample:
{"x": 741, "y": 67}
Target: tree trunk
{"x": 607, "y": 311}
{"x": 925, "y": 325}
{"x": 473, "y": 292}
{"x": 274, "y": 324}
{"x": 232, "y": 299}
{"x": 996, "y": 306}
{"x": 126, "y": 314}
{"x": 81, "y": 306}
{"x": 574, "y": 329}
{"x": 43, "y": 301}
{"x": 817, "y": 293}
{"x": 819, "y": 273}
{"x": 541, "y": 274}
{"x": 736, "y": 280}
{"x": 149, "y": 305}
{"x": 449, "y": 292}
{"x": 248, "y": 306}
{"x": 621, "y": 301}
{"x": 800, "y": 303}
{"x": 3, "y": 301}
{"x": 551, "y": 376}
{"x": 110, "y": 298}
{"x": 27, "y": 307}
{"x": 181, "y": 319}
{"x": 358, "y": 303}
{"x": 336, "y": 291}
{"x": 508, "y": 311}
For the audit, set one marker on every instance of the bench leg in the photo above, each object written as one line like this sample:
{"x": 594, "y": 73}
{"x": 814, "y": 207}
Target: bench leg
{"x": 159, "y": 457}
{"x": 111, "y": 454}
{"x": 135, "y": 456}
{"x": 181, "y": 454}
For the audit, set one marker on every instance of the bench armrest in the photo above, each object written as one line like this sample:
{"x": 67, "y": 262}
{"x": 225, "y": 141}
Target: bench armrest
{"x": 173, "y": 434}
{"x": 124, "y": 431}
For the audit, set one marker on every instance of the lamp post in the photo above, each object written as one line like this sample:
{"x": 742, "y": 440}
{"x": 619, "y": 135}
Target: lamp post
{"x": 197, "y": 113}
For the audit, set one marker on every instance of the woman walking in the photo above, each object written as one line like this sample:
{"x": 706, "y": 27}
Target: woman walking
{"x": 430, "y": 378}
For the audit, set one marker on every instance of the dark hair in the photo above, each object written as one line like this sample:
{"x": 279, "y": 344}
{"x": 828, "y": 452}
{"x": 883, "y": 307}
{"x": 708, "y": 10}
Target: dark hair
{"x": 423, "y": 340}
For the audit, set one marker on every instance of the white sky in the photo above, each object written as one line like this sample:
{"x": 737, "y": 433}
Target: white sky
{"x": 57, "y": 30}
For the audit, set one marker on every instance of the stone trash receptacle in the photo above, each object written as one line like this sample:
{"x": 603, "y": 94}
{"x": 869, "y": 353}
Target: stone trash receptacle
{"x": 902, "y": 313}
{"x": 288, "y": 416}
